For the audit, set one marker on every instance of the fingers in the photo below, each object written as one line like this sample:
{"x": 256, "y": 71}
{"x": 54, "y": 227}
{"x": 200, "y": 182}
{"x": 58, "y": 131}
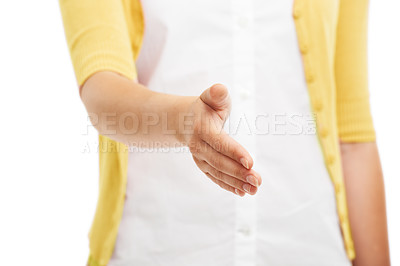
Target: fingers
{"x": 218, "y": 155}
{"x": 225, "y": 181}
{"x": 218, "y": 99}
{"x": 226, "y": 145}
{"x": 226, "y": 164}
{"x": 225, "y": 186}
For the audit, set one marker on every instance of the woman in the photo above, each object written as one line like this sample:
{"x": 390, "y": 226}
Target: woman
{"x": 297, "y": 82}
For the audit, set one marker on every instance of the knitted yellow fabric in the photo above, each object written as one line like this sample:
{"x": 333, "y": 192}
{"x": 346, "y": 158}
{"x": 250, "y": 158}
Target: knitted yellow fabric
{"x": 332, "y": 37}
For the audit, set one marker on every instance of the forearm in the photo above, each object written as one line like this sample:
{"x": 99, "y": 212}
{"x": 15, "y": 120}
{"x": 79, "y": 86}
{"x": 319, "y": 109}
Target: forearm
{"x": 129, "y": 112}
{"x": 161, "y": 120}
{"x": 366, "y": 202}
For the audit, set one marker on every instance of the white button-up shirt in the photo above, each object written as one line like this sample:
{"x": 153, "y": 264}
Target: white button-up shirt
{"x": 173, "y": 214}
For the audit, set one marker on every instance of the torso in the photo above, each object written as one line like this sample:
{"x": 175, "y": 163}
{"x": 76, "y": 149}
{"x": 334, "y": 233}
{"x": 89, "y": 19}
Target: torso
{"x": 173, "y": 214}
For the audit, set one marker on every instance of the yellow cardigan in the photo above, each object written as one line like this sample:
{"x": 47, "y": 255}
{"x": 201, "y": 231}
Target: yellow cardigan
{"x": 332, "y": 37}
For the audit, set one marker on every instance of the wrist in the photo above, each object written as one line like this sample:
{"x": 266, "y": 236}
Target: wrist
{"x": 184, "y": 119}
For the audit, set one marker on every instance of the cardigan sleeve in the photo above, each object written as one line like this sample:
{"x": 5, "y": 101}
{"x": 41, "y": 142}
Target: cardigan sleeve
{"x": 351, "y": 73}
{"x": 97, "y": 37}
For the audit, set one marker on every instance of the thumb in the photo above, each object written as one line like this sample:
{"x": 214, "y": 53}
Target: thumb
{"x": 217, "y": 97}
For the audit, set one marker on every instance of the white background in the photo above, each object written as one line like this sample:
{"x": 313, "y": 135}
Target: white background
{"x": 49, "y": 179}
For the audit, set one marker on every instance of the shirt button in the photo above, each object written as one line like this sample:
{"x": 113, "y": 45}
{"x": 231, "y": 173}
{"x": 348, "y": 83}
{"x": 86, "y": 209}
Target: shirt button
{"x": 338, "y": 188}
{"x": 344, "y": 223}
{"x": 245, "y": 230}
{"x": 244, "y": 94}
{"x": 243, "y": 22}
{"x": 296, "y": 13}
{"x": 304, "y": 48}
{"x": 342, "y": 217}
{"x": 330, "y": 159}
{"x": 310, "y": 77}
{"x": 318, "y": 106}
{"x": 324, "y": 131}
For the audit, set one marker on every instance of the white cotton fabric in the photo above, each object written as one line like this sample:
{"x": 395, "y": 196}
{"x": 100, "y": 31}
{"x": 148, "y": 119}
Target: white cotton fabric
{"x": 173, "y": 214}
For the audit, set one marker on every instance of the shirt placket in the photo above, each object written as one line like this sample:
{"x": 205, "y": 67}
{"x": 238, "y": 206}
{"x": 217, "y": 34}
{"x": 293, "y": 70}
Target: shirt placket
{"x": 244, "y": 107}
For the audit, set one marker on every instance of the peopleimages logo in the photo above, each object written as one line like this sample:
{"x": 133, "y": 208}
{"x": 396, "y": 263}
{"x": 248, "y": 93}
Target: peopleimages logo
{"x": 260, "y": 124}
{"x": 272, "y": 124}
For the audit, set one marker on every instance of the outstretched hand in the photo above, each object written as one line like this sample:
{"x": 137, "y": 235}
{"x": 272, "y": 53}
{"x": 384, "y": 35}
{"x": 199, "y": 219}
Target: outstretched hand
{"x": 217, "y": 154}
